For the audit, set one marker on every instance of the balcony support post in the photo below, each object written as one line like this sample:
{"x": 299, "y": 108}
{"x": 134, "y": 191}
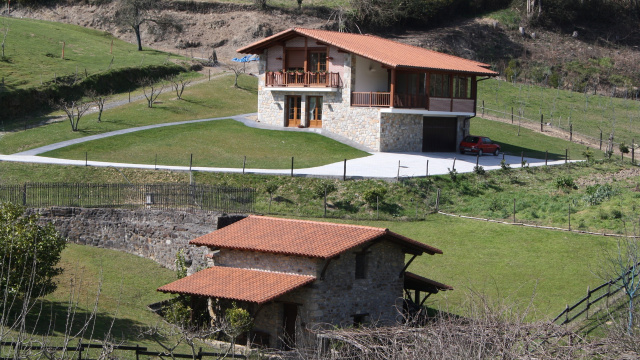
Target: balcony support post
{"x": 393, "y": 87}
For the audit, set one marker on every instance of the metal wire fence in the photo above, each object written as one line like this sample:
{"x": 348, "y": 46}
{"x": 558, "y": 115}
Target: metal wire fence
{"x": 131, "y": 196}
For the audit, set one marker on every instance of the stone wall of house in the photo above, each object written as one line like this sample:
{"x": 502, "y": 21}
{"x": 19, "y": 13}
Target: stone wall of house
{"x": 153, "y": 234}
{"x": 401, "y": 132}
{"x": 266, "y": 261}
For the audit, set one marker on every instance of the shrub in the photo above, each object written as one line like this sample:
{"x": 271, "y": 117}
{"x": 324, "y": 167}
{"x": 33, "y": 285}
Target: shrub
{"x": 504, "y": 166}
{"x": 453, "y": 174}
{"x": 566, "y": 183}
{"x": 373, "y": 195}
{"x": 177, "y": 312}
{"x": 596, "y": 194}
{"x": 479, "y": 170}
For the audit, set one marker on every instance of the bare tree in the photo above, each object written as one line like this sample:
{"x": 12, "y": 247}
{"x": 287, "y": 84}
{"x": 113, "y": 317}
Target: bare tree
{"x": 99, "y": 100}
{"x": 237, "y": 69}
{"x": 179, "y": 83}
{"x": 151, "y": 90}
{"x": 74, "y": 109}
{"x": 135, "y": 13}
{"x": 624, "y": 264}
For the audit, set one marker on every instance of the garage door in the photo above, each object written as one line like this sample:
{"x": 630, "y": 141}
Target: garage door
{"x": 439, "y": 134}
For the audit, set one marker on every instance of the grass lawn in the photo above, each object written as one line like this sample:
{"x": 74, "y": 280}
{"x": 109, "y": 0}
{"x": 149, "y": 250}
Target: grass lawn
{"x": 215, "y": 98}
{"x": 532, "y": 143}
{"x": 217, "y": 144}
{"x": 127, "y": 285}
{"x": 504, "y": 262}
{"x": 588, "y": 113}
{"x": 34, "y": 52}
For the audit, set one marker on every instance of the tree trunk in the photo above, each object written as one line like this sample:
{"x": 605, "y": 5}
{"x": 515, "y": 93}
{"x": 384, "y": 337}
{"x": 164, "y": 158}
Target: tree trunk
{"x": 136, "y": 29}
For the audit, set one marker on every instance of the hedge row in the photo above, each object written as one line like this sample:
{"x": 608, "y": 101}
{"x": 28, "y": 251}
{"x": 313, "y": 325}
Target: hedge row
{"x": 21, "y": 102}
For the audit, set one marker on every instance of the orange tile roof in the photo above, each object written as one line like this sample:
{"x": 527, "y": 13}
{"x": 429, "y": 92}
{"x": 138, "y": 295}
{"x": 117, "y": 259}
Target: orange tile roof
{"x": 302, "y": 237}
{"x": 388, "y": 52}
{"x": 237, "y": 284}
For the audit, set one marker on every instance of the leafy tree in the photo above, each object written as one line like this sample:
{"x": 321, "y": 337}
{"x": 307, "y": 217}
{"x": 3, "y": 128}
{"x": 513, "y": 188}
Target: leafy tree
{"x": 29, "y": 253}
{"x": 236, "y": 321}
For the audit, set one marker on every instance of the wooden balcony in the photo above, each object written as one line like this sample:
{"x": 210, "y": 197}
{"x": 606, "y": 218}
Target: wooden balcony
{"x": 408, "y": 101}
{"x": 299, "y": 79}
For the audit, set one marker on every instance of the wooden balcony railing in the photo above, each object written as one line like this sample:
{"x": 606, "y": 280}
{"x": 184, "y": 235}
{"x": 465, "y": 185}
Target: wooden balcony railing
{"x": 299, "y": 79}
{"x": 374, "y": 99}
{"x": 408, "y": 101}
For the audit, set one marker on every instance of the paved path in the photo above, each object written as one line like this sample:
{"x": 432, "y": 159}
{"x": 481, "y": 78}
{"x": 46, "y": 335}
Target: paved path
{"x": 377, "y": 165}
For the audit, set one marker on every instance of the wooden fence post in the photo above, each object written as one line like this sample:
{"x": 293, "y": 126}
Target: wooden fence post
{"x": 190, "y": 162}
{"x": 427, "y": 168}
{"x": 521, "y": 158}
{"x": 292, "y": 166}
{"x": 398, "y": 174}
{"x": 344, "y": 174}
{"x": 155, "y": 164}
{"x": 566, "y": 155}
{"x": 24, "y": 195}
{"x": 438, "y": 201}
{"x": 482, "y": 108}
{"x": 566, "y": 314}
{"x": 570, "y": 132}
{"x": 514, "y": 210}
{"x": 633, "y": 151}
{"x": 541, "y": 122}
{"x": 454, "y": 164}
{"x": 588, "y": 304}
{"x": 244, "y": 164}
{"x": 600, "y": 139}
{"x": 325, "y": 201}
{"x": 546, "y": 157}
{"x": 569, "y": 216}
{"x": 512, "y": 115}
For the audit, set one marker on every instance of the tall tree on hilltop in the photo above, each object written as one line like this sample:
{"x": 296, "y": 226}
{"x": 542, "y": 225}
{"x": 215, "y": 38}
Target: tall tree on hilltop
{"x": 135, "y": 13}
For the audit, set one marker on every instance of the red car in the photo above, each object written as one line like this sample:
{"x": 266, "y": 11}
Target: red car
{"x": 480, "y": 145}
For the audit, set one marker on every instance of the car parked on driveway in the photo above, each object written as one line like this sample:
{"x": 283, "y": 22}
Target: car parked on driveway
{"x": 479, "y": 145}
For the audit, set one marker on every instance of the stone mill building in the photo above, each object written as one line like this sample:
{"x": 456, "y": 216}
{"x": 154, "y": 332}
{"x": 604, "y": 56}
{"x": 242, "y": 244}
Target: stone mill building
{"x": 293, "y": 275}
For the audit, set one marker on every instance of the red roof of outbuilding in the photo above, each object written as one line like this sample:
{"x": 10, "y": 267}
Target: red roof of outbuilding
{"x": 237, "y": 284}
{"x": 388, "y": 52}
{"x": 302, "y": 237}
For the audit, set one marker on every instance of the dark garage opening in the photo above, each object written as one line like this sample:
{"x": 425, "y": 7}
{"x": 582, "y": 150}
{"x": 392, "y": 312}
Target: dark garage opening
{"x": 439, "y": 134}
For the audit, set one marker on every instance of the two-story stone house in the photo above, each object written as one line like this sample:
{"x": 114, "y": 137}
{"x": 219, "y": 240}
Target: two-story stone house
{"x": 293, "y": 275}
{"x": 385, "y": 95}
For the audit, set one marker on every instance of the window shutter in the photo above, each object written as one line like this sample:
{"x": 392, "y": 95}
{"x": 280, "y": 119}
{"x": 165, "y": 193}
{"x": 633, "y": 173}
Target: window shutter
{"x": 295, "y": 59}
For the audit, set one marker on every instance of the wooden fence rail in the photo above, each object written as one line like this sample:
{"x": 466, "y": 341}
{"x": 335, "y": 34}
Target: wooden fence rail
{"x": 139, "y": 350}
{"x": 593, "y": 297}
{"x": 151, "y": 196}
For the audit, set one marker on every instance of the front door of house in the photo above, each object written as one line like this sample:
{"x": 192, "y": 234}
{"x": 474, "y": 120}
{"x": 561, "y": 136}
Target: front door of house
{"x": 314, "y": 113}
{"x": 290, "y": 314}
{"x": 294, "y": 106}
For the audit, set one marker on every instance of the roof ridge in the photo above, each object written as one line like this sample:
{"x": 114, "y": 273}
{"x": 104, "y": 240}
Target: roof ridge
{"x": 398, "y": 42}
{"x": 382, "y": 230}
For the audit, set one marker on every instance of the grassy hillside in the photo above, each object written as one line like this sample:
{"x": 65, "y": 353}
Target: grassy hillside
{"x": 215, "y": 98}
{"x": 587, "y": 113}
{"x": 33, "y": 52}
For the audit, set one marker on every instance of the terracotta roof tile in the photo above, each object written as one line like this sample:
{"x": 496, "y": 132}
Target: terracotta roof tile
{"x": 385, "y": 51}
{"x": 301, "y": 237}
{"x": 237, "y": 284}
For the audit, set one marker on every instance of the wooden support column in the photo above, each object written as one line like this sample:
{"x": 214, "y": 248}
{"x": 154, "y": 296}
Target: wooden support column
{"x": 451, "y": 92}
{"x": 474, "y": 92}
{"x": 306, "y": 55}
{"x": 393, "y": 87}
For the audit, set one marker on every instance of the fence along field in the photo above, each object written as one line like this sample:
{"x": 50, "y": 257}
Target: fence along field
{"x": 131, "y": 196}
{"x": 590, "y": 116}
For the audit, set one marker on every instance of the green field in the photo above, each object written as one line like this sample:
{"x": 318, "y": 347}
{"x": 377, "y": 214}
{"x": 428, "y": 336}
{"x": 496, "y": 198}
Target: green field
{"x": 588, "y": 113}
{"x": 33, "y": 52}
{"x": 215, "y": 98}
{"x": 519, "y": 265}
{"x": 214, "y": 144}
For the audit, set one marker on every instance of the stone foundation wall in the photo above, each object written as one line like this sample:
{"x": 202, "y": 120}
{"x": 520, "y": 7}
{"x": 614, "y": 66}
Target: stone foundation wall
{"x": 153, "y": 234}
{"x": 401, "y": 132}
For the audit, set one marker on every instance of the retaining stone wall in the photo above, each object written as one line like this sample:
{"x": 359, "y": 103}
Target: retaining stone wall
{"x": 153, "y": 234}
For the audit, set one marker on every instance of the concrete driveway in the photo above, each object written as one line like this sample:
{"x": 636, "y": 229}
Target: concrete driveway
{"x": 380, "y": 165}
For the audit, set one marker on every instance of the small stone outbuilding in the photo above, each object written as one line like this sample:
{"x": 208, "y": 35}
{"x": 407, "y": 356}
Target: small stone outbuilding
{"x": 293, "y": 275}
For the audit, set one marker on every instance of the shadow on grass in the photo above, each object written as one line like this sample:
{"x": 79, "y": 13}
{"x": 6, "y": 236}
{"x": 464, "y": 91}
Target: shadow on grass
{"x": 50, "y": 319}
{"x": 346, "y": 205}
{"x": 515, "y": 150}
{"x": 198, "y": 103}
